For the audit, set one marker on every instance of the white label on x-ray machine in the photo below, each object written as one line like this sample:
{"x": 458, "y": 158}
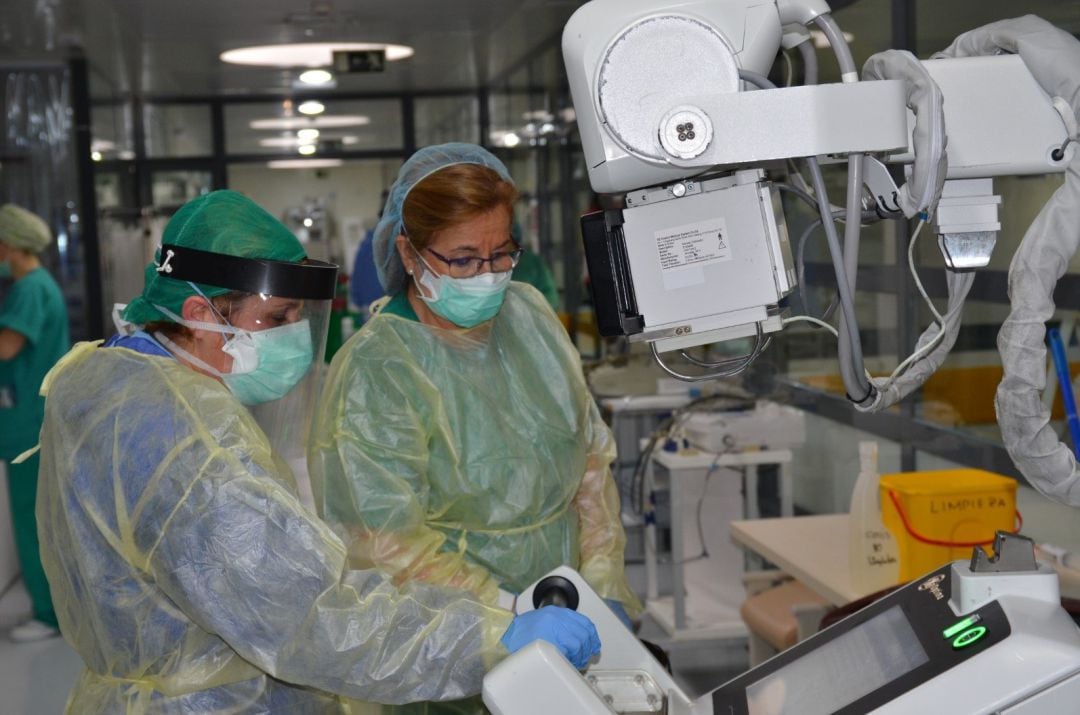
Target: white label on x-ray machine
{"x": 694, "y": 244}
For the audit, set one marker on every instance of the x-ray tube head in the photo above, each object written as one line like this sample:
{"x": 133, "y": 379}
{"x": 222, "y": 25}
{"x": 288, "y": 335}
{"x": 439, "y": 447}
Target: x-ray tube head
{"x": 658, "y": 97}
{"x": 692, "y": 263}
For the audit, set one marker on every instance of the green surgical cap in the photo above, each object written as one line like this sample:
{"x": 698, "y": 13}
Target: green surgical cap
{"x": 220, "y": 222}
{"x": 21, "y": 229}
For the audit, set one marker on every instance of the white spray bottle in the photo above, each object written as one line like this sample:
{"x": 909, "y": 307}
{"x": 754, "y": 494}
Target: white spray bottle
{"x": 873, "y": 555}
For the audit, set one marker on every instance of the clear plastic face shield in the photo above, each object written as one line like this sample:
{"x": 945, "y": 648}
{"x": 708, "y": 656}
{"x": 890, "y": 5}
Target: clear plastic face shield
{"x": 275, "y": 336}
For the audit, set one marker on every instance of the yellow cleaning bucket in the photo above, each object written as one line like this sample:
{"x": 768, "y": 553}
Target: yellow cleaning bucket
{"x": 937, "y": 517}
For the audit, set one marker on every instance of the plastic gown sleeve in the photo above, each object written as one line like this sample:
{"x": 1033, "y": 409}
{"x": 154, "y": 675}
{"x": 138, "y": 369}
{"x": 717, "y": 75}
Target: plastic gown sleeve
{"x": 603, "y": 540}
{"x": 383, "y": 514}
{"x": 242, "y": 558}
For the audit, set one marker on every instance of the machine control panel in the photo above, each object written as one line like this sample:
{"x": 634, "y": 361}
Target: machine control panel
{"x": 871, "y": 658}
{"x": 965, "y": 632}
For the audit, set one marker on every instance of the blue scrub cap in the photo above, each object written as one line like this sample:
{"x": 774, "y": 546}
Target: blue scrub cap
{"x": 418, "y": 167}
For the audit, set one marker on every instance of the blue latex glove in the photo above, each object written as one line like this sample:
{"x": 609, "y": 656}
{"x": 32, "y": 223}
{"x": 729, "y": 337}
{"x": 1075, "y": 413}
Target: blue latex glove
{"x": 569, "y": 631}
{"x": 620, "y": 612}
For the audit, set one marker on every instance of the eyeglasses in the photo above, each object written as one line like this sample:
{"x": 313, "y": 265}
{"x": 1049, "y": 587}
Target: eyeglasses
{"x": 469, "y": 266}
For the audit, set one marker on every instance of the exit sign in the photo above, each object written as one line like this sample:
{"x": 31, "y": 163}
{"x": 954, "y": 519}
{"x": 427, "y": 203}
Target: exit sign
{"x": 360, "y": 61}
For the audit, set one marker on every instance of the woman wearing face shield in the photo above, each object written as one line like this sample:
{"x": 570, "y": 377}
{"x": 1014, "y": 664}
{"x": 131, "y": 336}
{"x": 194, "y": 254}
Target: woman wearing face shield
{"x": 456, "y": 442}
{"x": 185, "y": 571}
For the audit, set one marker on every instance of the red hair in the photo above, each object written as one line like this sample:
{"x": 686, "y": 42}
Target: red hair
{"x": 452, "y": 196}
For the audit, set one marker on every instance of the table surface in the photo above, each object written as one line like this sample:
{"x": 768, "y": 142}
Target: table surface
{"x": 644, "y": 403}
{"x": 812, "y": 549}
{"x": 698, "y": 459}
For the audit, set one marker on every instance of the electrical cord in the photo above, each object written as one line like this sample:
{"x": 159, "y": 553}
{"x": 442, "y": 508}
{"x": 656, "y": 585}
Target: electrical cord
{"x": 810, "y": 63}
{"x": 710, "y": 403}
{"x": 740, "y": 364}
{"x": 703, "y": 552}
{"x": 938, "y": 318}
{"x": 726, "y": 361}
{"x": 800, "y": 272}
{"x": 801, "y": 194}
{"x": 811, "y": 319}
{"x": 850, "y": 350}
{"x": 800, "y": 260}
{"x": 853, "y": 357}
{"x": 930, "y": 346}
{"x": 789, "y": 68}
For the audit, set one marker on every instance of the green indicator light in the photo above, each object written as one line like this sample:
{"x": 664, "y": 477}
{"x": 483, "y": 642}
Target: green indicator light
{"x": 961, "y": 626}
{"x": 968, "y": 637}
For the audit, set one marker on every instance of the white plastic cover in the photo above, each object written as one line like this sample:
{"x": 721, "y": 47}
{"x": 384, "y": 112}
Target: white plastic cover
{"x": 1053, "y": 56}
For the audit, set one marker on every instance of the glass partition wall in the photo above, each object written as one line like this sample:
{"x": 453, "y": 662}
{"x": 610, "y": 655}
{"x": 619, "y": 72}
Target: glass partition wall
{"x": 153, "y": 153}
{"x": 40, "y": 170}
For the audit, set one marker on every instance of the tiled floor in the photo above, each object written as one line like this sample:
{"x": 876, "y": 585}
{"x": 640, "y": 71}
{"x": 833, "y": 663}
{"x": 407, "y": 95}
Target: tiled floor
{"x": 34, "y": 677}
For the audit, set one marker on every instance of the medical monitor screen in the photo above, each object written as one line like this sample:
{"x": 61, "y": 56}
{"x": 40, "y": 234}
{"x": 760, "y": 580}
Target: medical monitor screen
{"x": 842, "y": 670}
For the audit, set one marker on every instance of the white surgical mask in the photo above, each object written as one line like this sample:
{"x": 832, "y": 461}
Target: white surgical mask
{"x": 267, "y": 364}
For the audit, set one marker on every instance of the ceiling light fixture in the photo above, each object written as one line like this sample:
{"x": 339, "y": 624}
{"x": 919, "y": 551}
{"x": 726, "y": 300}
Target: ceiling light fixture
{"x": 280, "y": 142}
{"x": 311, "y": 107}
{"x": 308, "y": 54}
{"x": 307, "y": 135}
{"x": 304, "y": 163}
{"x": 510, "y": 140}
{"x": 316, "y": 77}
{"x": 538, "y": 115}
{"x": 287, "y": 124}
{"x": 95, "y": 156}
{"x": 306, "y": 149}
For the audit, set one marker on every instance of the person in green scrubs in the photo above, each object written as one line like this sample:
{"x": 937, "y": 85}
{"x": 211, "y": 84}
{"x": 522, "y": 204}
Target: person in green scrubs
{"x": 531, "y": 269}
{"x": 33, "y": 336}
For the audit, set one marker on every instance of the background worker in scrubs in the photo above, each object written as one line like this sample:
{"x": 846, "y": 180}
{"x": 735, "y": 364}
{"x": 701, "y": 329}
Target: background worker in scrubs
{"x": 456, "y": 441}
{"x": 531, "y": 269}
{"x": 33, "y": 336}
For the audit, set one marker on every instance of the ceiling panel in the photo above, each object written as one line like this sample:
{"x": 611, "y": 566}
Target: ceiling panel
{"x": 157, "y": 47}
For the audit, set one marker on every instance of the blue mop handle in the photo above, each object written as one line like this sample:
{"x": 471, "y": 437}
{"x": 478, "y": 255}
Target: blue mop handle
{"x": 1061, "y": 367}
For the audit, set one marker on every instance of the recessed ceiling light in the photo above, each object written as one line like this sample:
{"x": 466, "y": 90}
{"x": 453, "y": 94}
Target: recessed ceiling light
{"x": 280, "y": 142}
{"x": 316, "y": 77}
{"x": 307, "y": 134}
{"x": 95, "y": 156}
{"x": 306, "y": 149}
{"x": 304, "y": 163}
{"x": 538, "y": 115}
{"x": 511, "y": 140}
{"x": 311, "y": 107}
{"x": 307, "y": 54}
{"x": 334, "y": 121}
